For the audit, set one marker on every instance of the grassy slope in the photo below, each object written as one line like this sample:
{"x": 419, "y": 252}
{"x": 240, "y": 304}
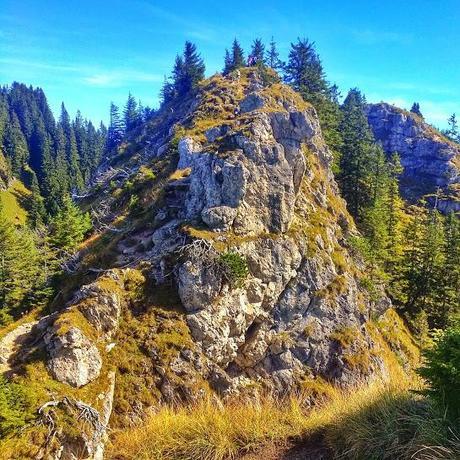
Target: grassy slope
{"x": 13, "y": 200}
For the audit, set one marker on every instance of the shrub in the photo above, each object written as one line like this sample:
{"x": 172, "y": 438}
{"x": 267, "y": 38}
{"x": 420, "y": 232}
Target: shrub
{"x": 14, "y": 407}
{"x": 442, "y": 370}
{"x": 234, "y": 267}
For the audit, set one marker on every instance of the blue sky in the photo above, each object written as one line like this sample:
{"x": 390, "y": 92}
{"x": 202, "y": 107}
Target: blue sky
{"x": 88, "y": 53}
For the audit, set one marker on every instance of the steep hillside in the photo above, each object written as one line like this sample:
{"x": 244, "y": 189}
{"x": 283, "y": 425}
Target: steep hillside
{"x": 430, "y": 160}
{"x": 220, "y": 265}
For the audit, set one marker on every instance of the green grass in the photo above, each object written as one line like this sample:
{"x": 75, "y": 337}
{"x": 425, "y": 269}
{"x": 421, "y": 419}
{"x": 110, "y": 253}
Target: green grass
{"x": 13, "y": 200}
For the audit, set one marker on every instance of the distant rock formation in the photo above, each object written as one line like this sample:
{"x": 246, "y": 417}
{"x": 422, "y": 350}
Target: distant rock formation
{"x": 431, "y": 161}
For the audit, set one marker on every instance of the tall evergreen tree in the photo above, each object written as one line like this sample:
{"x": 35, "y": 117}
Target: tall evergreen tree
{"x": 131, "y": 114}
{"x": 15, "y": 145}
{"x": 416, "y": 109}
{"x": 188, "y": 69}
{"x": 452, "y": 131}
{"x": 273, "y": 57}
{"x": 19, "y": 266}
{"x": 359, "y": 155}
{"x": 257, "y": 55}
{"x": 72, "y": 157}
{"x": 69, "y": 226}
{"x": 304, "y": 72}
{"x": 235, "y": 59}
{"x": 115, "y": 131}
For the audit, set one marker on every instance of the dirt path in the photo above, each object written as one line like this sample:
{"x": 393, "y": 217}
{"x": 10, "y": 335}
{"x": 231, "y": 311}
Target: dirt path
{"x": 312, "y": 449}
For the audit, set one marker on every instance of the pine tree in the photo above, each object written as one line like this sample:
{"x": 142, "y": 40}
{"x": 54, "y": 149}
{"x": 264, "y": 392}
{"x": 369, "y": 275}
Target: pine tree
{"x": 15, "y": 145}
{"x": 80, "y": 127}
{"x": 19, "y": 266}
{"x": 188, "y": 69}
{"x": 424, "y": 262}
{"x": 257, "y": 56}
{"x": 304, "y": 72}
{"x": 448, "y": 292}
{"x": 452, "y": 132}
{"x": 227, "y": 62}
{"x": 167, "y": 92}
{"x": 273, "y": 57}
{"x": 358, "y": 155}
{"x": 69, "y": 226}
{"x": 416, "y": 109}
{"x": 235, "y": 59}
{"x": 115, "y": 131}
{"x": 72, "y": 157}
{"x": 131, "y": 114}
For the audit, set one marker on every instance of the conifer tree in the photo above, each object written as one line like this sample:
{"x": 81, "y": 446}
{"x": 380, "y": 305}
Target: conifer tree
{"x": 448, "y": 292}
{"x": 69, "y": 226}
{"x": 19, "y": 266}
{"x": 452, "y": 132}
{"x": 304, "y": 72}
{"x": 115, "y": 131}
{"x": 71, "y": 149}
{"x": 227, "y": 62}
{"x": 273, "y": 57}
{"x": 358, "y": 155}
{"x": 257, "y": 56}
{"x": 416, "y": 109}
{"x": 131, "y": 114}
{"x": 188, "y": 69}
{"x": 235, "y": 59}
{"x": 15, "y": 145}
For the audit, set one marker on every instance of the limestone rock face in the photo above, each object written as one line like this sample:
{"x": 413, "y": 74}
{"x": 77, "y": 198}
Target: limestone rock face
{"x": 430, "y": 161}
{"x": 100, "y": 306}
{"x": 73, "y": 358}
{"x": 301, "y": 309}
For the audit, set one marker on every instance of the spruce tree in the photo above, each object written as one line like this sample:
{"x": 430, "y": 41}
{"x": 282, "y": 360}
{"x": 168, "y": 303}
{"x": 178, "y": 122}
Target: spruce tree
{"x": 237, "y": 56}
{"x": 19, "y": 266}
{"x": 72, "y": 157}
{"x": 358, "y": 155}
{"x": 448, "y": 292}
{"x": 227, "y": 62}
{"x": 416, "y": 109}
{"x": 69, "y": 226}
{"x": 273, "y": 57}
{"x": 452, "y": 132}
{"x": 257, "y": 53}
{"x": 15, "y": 145}
{"x": 304, "y": 72}
{"x": 115, "y": 131}
{"x": 131, "y": 114}
{"x": 188, "y": 70}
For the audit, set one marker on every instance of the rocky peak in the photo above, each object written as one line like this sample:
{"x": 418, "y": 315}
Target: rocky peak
{"x": 431, "y": 161}
{"x": 240, "y": 273}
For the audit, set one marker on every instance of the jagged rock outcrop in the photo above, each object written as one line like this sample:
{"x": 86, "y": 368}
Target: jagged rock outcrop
{"x": 431, "y": 161}
{"x": 240, "y": 272}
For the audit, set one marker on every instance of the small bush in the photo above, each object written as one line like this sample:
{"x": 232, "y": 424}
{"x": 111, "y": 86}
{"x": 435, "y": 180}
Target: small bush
{"x": 442, "y": 370}
{"x": 14, "y": 407}
{"x": 234, "y": 266}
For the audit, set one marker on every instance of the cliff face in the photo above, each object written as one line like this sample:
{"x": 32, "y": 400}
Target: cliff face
{"x": 239, "y": 277}
{"x": 430, "y": 160}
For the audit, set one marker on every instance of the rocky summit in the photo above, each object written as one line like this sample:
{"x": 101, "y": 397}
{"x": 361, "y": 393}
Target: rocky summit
{"x": 431, "y": 161}
{"x": 238, "y": 278}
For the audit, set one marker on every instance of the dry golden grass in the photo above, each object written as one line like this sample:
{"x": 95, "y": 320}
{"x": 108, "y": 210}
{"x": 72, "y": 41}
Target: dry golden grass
{"x": 211, "y": 430}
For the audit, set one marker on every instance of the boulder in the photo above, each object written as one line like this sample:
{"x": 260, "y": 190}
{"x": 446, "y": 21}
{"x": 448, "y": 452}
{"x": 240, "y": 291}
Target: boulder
{"x": 72, "y": 357}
